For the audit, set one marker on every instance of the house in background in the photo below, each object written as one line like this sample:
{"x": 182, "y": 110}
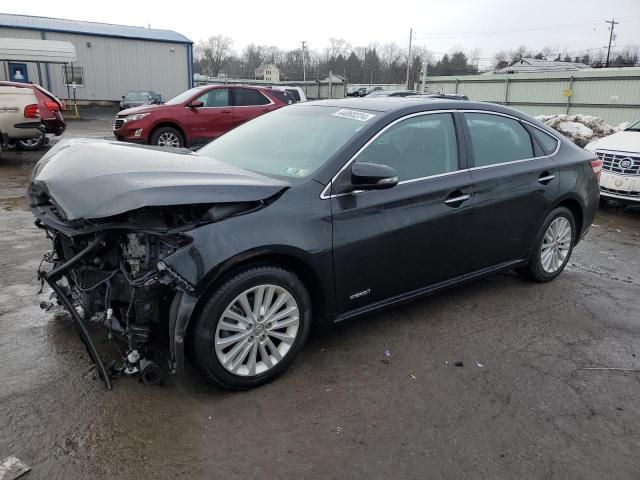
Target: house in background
{"x": 267, "y": 72}
{"x": 533, "y": 65}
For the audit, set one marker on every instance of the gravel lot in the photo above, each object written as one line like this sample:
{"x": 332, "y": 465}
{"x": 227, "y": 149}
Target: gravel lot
{"x": 524, "y": 405}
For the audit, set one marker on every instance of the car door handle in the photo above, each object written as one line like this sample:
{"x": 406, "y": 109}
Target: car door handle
{"x": 456, "y": 198}
{"x": 545, "y": 178}
{"x": 225, "y": 111}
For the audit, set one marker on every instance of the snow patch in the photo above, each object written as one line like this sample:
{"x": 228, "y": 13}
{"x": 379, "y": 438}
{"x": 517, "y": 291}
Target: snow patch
{"x": 580, "y": 129}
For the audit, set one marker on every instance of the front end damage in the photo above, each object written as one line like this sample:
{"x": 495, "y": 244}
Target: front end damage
{"x": 109, "y": 272}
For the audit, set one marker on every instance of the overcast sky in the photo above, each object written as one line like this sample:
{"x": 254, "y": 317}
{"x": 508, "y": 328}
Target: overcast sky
{"x": 440, "y": 25}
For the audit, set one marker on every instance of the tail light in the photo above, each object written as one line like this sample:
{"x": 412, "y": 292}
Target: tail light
{"x": 31, "y": 111}
{"x": 51, "y": 105}
{"x": 596, "y": 164}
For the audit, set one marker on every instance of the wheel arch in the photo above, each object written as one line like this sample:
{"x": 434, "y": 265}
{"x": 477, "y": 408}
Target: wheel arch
{"x": 172, "y": 124}
{"x": 577, "y": 210}
{"x": 287, "y": 258}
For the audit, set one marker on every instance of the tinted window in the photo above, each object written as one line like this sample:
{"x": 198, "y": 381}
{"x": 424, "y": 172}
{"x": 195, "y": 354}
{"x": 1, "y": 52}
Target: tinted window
{"x": 294, "y": 93}
{"x": 244, "y": 97}
{"x": 496, "y": 139}
{"x": 218, "y": 97}
{"x": 547, "y": 141}
{"x": 283, "y": 96}
{"x": 417, "y": 147}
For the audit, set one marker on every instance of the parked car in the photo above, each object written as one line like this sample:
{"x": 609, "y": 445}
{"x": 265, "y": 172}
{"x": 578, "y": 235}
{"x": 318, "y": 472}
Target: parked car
{"x": 19, "y": 114}
{"x": 50, "y": 109}
{"x": 393, "y": 93}
{"x": 297, "y": 93}
{"x": 136, "y": 98}
{"x": 196, "y": 116}
{"x": 620, "y": 155}
{"x": 320, "y": 211}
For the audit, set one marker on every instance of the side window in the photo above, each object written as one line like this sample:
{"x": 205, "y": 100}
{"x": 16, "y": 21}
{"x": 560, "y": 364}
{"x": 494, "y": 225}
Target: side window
{"x": 416, "y": 147}
{"x": 547, "y": 141}
{"x": 244, "y": 97}
{"x": 218, "y": 97}
{"x": 496, "y": 139}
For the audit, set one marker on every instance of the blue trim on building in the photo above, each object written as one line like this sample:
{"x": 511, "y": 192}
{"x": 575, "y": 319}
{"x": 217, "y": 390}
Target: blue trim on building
{"x": 91, "y": 34}
{"x": 190, "y": 66}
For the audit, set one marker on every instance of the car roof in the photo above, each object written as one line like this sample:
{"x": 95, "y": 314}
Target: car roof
{"x": 391, "y": 104}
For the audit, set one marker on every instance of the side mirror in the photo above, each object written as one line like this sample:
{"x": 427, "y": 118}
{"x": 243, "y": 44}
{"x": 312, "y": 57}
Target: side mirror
{"x": 123, "y": 97}
{"x": 196, "y": 104}
{"x": 372, "y": 176}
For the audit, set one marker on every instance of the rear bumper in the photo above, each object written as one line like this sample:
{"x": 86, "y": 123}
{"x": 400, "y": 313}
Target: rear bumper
{"x": 55, "y": 126}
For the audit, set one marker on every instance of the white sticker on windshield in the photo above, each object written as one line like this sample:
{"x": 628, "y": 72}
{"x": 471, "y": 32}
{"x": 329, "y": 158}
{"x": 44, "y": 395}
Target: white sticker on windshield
{"x": 354, "y": 115}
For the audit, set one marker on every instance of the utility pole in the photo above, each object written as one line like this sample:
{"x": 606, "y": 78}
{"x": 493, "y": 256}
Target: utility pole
{"x": 424, "y": 73}
{"x": 613, "y": 24}
{"x": 304, "y": 63}
{"x": 409, "y": 57}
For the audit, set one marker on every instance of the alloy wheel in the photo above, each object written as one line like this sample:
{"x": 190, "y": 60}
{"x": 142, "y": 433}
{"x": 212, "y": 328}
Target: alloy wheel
{"x": 169, "y": 139}
{"x": 257, "y": 330}
{"x": 556, "y": 245}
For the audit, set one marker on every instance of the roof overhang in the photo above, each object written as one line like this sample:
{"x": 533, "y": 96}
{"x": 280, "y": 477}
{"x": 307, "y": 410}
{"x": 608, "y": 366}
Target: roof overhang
{"x": 43, "y": 51}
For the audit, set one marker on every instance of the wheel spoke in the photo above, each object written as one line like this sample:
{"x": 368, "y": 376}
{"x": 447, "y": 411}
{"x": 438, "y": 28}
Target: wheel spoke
{"x": 282, "y": 314}
{"x": 239, "y": 360}
{"x": 228, "y": 358}
{"x": 276, "y": 306}
{"x": 244, "y": 303}
{"x": 251, "y": 364}
{"x": 224, "y": 341}
{"x": 232, "y": 327}
{"x": 258, "y": 295}
{"x": 293, "y": 320}
{"x": 274, "y": 350}
{"x": 266, "y": 358}
{"x": 235, "y": 316}
{"x": 282, "y": 337}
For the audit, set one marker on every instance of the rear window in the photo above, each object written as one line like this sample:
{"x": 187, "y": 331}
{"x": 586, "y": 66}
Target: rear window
{"x": 283, "y": 96}
{"x": 294, "y": 93}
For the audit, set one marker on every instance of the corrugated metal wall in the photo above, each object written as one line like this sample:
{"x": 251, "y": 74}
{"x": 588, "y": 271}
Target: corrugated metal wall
{"x": 612, "y": 94}
{"x": 113, "y": 66}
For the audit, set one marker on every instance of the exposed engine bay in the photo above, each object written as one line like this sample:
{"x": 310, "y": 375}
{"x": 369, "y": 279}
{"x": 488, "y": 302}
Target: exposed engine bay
{"x": 114, "y": 277}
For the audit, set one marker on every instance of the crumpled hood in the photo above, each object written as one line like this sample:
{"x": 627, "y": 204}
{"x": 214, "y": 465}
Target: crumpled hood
{"x": 625, "y": 141}
{"x": 132, "y": 109}
{"x": 91, "y": 179}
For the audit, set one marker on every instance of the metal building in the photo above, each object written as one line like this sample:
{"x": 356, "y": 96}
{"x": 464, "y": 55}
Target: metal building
{"x": 112, "y": 59}
{"x": 610, "y": 93}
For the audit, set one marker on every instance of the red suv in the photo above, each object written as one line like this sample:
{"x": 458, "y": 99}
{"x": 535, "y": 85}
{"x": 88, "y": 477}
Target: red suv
{"x": 196, "y": 116}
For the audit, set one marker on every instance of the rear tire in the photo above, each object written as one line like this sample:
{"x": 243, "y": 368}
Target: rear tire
{"x": 32, "y": 144}
{"x": 167, "y": 137}
{"x": 263, "y": 343}
{"x": 553, "y": 246}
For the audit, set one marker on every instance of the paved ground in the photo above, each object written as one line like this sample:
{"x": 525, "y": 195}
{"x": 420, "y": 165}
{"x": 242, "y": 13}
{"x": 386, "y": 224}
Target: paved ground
{"x": 522, "y": 406}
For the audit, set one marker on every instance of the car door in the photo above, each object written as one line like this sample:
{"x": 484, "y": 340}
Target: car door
{"x": 213, "y": 118}
{"x": 249, "y": 103}
{"x": 389, "y": 242}
{"x": 514, "y": 183}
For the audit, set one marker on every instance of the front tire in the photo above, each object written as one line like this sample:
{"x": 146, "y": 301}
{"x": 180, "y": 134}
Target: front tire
{"x": 167, "y": 137}
{"x": 553, "y": 247}
{"x": 252, "y": 327}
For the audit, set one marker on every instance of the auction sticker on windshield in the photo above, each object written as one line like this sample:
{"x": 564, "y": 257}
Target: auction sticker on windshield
{"x": 354, "y": 115}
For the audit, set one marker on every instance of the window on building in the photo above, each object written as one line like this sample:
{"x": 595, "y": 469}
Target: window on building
{"x": 417, "y": 147}
{"x": 496, "y": 139}
{"x": 72, "y": 74}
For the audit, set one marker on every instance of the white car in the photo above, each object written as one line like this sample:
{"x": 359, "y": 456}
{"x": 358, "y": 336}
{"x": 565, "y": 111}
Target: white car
{"x": 620, "y": 155}
{"x": 19, "y": 115}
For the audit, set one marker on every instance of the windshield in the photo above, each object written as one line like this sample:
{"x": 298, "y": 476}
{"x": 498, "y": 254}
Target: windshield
{"x": 634, "y": 127}
{"x": 184, "y": 96}
{"x": 292, "y": 141}
{"x": 137, "y": 96}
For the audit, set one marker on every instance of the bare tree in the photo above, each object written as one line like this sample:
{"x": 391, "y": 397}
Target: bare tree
{"x": 214, "y": 53}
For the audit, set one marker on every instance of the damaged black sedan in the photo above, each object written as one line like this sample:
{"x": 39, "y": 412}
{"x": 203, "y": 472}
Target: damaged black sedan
{"x": 319, "y": 211}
